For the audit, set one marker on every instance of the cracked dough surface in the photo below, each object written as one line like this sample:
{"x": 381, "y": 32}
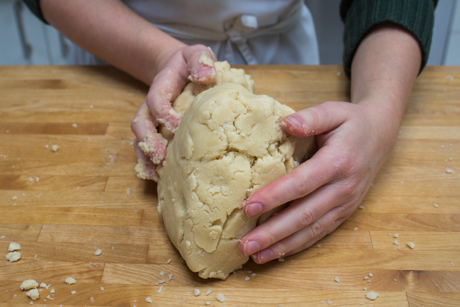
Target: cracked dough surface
{"x": 228, "y": 145}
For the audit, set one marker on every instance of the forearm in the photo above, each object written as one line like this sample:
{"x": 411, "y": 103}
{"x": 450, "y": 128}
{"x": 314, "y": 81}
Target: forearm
{"x": 384, "y": 70}
{"x": 111, "y": 31}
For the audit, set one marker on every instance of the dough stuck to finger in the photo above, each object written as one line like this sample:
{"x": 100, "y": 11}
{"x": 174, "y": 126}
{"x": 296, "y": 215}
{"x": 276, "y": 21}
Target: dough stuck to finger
{"x": 228, "y": 145}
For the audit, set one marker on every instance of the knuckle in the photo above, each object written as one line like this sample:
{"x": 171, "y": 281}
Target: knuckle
{"x": 280, "y": 250}
{"x": 301, "y": 183}
{"x": 346, "y": 164}
{"x": 270, "y": 237}
{"x": 306, "y": 217}
{"x": 133, "y": 125}
{"x": 350, "y": 187}
{"x": 315, "y": 229}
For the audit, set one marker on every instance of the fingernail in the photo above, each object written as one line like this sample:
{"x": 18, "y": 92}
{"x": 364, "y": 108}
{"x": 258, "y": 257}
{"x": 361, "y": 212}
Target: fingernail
{"x": 253, "y": 209}
{"x": 205, "y": 71}
{"x": 264, "y": 255}
{"x": 295, "y": 121}
{"x": 251, "y": 247}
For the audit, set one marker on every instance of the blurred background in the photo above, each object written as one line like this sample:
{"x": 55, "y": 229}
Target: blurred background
{"x": 24, "y": 40}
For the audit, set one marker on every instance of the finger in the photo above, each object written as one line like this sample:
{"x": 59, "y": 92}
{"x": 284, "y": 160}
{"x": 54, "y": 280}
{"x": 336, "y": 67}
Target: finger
{"x": 308, "y": 244}
{"x": 150, "y": 141}
{"x": 200, "y": 60}
{"x": 316, "y": 120}
{"x": 166, "y": 86}
{"x": 145, "y": 168}
{"x": 169, "y": 82}
{"x": 304, "y": 179}
{"x": 300, "y": 240}
{"x": 302, "y": 213}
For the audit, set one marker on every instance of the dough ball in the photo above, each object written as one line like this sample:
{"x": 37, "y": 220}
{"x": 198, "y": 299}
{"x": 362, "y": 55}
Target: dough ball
{"x": 228, "y": 145}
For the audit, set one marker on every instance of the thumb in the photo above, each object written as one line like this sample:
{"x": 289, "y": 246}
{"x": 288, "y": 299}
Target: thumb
{"x": 316, "y": 120}
{"x": 200, "y": 61}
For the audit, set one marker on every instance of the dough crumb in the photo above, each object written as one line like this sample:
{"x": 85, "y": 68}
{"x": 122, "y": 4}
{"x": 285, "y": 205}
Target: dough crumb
{"x": 28, "y": 284}
{"x": 128, "y": 191}
{"x": 55, "y": 148}
{"x": 208, "y": 303}
{"x": 14, "y": 247}
{"x": 356, "y": 228}
{"x": 220, "y": 297}
{"x": 169, "y": 261}
{"x": 396, "y": 243}
{"x": 435, "y": 205}
{"x": 37, "y": 179}
{"x": 361, "y": 207}
{"x": 337, "y": 279}
{"x": 396, "y": 235}
{"x": 46, "y": 146}
{"x": 208, "y": 292}
{"x": 70, "y": 281}
{"x": 52, "y": 291}
{"x": 366, "y": 277}
{"x": 148, "y": 300}
{"x": 411, "y": 245}
{"x": 33, "y": 294}
{"x": 102, "y": 288}
{"x": 98, "y": 252}
{"x": 73, "y": 292}
{"x": 162, "y": 273}
{"x": 13, "y": 256}
{"x": 449, "y": 171}
{"x": 372, "y": 295}
{"x": 196, "y": 292}
{"x": 170, "y": 277}
{"x": 14, "y": 198}
{"x": 205, "y": 60}
{"x": 74, "y": 125}
{"x": 247, "y": 278}
{"x": 161, "y": 289}
{"x": 370, "y": 275}
{"x": 43, "y": 285}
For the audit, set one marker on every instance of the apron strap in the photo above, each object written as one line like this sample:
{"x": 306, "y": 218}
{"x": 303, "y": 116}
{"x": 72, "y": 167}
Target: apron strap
{"x": 243, "y": 28}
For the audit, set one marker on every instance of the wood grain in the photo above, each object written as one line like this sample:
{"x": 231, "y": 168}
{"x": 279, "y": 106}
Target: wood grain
{"x": 80, "y": 203}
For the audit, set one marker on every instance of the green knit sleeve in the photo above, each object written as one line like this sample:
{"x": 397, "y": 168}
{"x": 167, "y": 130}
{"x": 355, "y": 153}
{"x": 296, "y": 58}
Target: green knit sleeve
{"x": 359, "y": 16}
{"x": 34, "y": 7}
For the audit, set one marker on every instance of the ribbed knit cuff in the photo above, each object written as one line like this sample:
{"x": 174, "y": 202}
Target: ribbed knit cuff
{"x": 34, "y": 7}
{"x": 416, "y": 16}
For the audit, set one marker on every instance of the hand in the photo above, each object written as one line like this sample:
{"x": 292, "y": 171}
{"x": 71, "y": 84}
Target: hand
{"x": 179, "y": 67}
{"x": 354, "y": 140}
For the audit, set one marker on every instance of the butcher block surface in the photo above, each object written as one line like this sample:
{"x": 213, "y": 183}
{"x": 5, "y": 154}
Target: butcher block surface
{"x": 75, "y": 201}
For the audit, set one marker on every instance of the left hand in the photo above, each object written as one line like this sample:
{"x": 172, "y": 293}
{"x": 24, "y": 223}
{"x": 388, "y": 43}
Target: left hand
{"x": 354, "y": 141}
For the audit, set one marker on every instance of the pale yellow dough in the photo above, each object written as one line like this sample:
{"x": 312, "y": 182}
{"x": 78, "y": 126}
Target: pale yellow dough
{"x": 228, "y": 145}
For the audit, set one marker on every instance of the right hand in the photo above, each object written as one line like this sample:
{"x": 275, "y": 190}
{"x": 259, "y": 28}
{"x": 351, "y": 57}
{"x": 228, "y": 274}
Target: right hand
{"x": 175, "y": 70}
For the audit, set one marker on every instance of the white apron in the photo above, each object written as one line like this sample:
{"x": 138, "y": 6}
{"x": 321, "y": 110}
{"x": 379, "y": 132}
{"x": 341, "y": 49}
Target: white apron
{"x": 238, "y": 31}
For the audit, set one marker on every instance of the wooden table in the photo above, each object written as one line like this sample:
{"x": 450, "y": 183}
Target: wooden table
{"x": 72, "y": 202}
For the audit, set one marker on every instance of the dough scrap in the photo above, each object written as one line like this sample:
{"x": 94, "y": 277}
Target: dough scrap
{"x": 70, "y": 281}
{"x": 28, "y": 284}
{"x": 228, "y": 145}
{"x": 13, "y": 256}
{"x": 33, "y": 294}
{"x": 14, "y": 247}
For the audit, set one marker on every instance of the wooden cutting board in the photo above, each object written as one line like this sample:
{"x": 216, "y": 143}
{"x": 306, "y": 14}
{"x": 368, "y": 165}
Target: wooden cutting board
{"x": 75, "y": 201}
